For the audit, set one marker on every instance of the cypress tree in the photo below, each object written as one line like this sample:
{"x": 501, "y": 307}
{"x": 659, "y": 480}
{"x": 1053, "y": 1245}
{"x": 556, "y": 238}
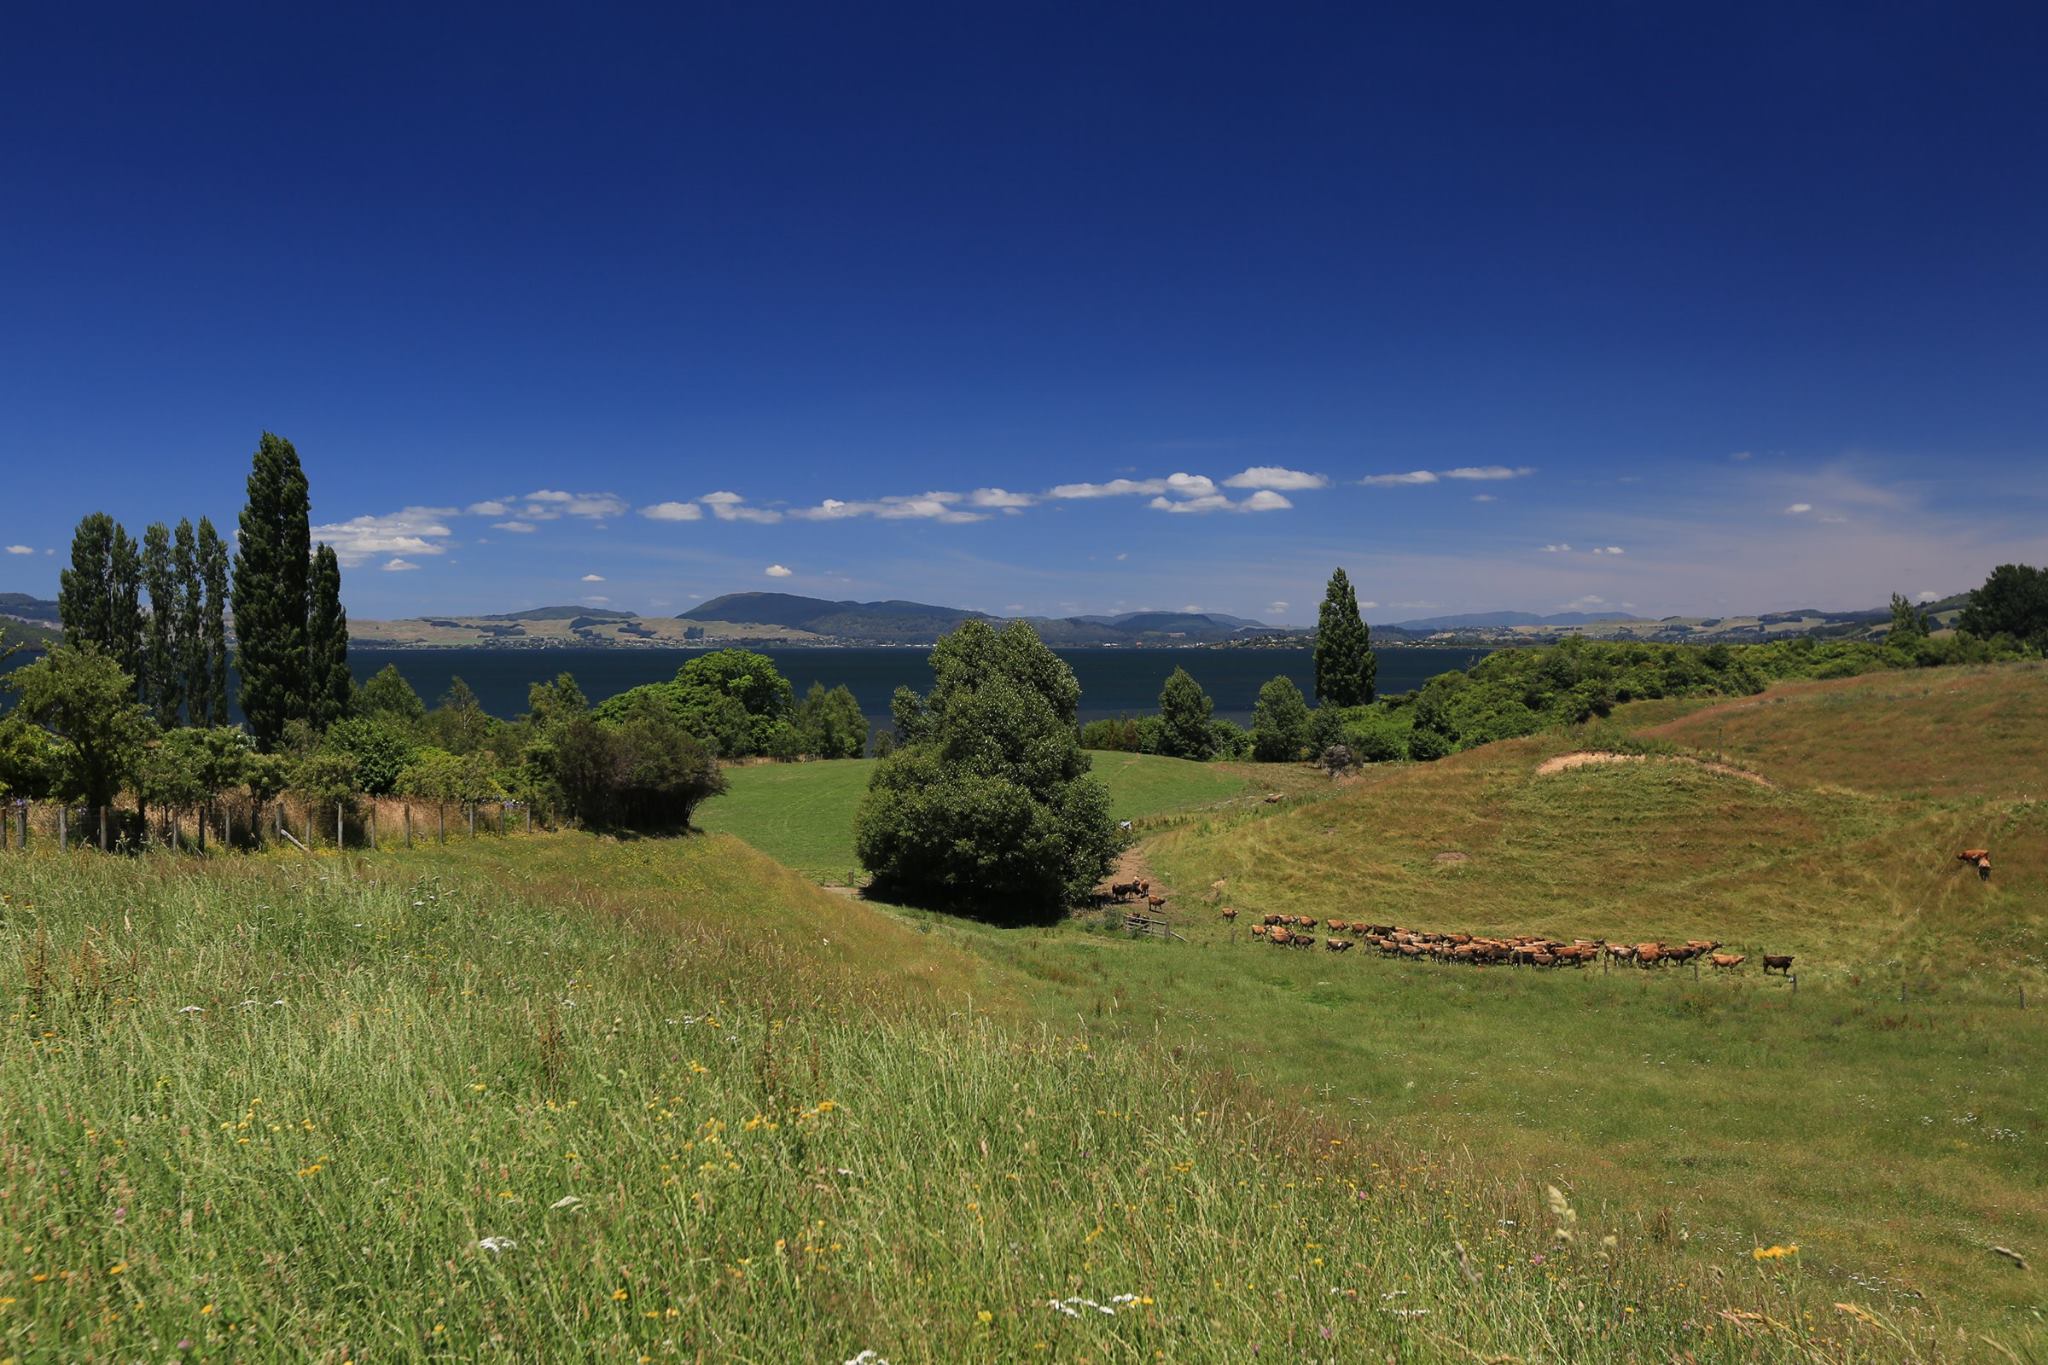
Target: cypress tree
{"x": 190, "y": 665}
{"x": 329, "y": 688}
{"x": 162, "y": 678}
{"x": 272, "y": 567}
{"x": 124, "y": 582}
{"x": 1345, "y": 667}
{"x": 210, "y": 683}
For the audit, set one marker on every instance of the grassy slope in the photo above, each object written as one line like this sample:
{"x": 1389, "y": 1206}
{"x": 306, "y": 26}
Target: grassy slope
{"x": 801, "y": 814}
{"x": 1895, "y": 1141}
{"x": 268, "y": 1107}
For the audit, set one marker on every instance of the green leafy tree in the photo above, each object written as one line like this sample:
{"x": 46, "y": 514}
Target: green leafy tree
{"x": 1909, "y": 623}
{"x": 188, "y": 604}
{"x": 830, "y": 724}
{"x": 1185, "y": 713}
{"x": 330, "y": 691}
{"x": 162, "y": 681}
{"x": 1346, "y": 669}
{"x": 99, "y": 598}
{"x": 380, "y": 749}
{"x": 642, "y": 768}
{"x": 991, "y": 808}
{"x": 326, "y": 778}
{"x": 388, "y": 697}
{"x": 460, "y": 724}
{"x": 87, "y": 701}
{"x": 207, "y": 693}
{"x": 190, "y": 768}
{"x": 1281, "y": 722}
{"x": 443, "y": 778}
{"x": 29, "y": 757}
{"x": 2012, "y": 601}
{"x": 271, "y": 592}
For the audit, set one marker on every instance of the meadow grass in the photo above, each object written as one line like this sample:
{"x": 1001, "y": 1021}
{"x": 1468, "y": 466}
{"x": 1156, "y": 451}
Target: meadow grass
{"x": 565, "y": 1098}
{"x": 801, "y": 814}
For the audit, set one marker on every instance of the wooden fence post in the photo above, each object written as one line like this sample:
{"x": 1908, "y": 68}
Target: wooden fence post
{"x": 440, "y": 822}
{"x": 199, "y": 819}
{"x": 472, "y": 820}
{"x": 340, "y": 830}
{"x": 527, "y": 807}
{"x": 63, "y": 834}
{"x": 373, "y": 827}
{"x": 408, "y": 824}
{"x": 309, "y": 826}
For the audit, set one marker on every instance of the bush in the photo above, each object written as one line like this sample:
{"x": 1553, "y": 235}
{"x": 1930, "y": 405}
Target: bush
{"x": 1228, "y": 739}
{"x": 991, "y": 807}
{"x": 1376, "y": 734}
{"x": 643, "y": 770}
{"x": 830, "y": 724}
{"x": 1118, "y": 735}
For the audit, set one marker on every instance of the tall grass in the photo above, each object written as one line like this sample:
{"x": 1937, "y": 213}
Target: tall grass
{"x": 562, "y": 1099}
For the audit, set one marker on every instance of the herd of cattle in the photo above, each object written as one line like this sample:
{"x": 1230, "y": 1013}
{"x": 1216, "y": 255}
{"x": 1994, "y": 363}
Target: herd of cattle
{"x": 1520, "y": 950}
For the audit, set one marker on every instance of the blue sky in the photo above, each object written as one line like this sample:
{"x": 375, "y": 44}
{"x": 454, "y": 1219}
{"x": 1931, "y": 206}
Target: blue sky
{"x": 1622, "y": 306}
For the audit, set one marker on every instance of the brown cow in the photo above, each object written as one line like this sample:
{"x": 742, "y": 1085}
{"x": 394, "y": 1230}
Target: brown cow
{"x": 1728, "y": 961}
{"x": 1777, "y": 963}
{"x": 1981, "y": 857}
{"x": 1258, "y": 931}
{"x": 1156, "y": 902}
{"x": 1229, "y": 912}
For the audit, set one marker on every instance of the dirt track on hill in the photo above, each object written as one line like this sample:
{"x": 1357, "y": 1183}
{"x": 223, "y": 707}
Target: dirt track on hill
{"x": 1585, "y": 758}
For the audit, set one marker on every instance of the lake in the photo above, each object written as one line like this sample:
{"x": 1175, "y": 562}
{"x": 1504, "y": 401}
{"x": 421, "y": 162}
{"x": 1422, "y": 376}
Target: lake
{"x": 1113, "y": 681}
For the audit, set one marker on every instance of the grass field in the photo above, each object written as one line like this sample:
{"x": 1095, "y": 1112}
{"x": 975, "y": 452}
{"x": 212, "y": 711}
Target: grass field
{"x": 565, "y": 1098}
{"x": 286, "y": 1107}
{"x": 801, "y": 814}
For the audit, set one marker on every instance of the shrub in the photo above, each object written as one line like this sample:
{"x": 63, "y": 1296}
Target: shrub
{"x": 380, "y": 749}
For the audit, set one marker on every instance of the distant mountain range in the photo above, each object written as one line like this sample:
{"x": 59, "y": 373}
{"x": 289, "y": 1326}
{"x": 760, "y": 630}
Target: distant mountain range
{"x": 768, "y": 618}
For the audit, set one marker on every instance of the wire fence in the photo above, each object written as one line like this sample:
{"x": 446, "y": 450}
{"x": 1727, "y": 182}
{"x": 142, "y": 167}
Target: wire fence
{"x": 232, "y": 825}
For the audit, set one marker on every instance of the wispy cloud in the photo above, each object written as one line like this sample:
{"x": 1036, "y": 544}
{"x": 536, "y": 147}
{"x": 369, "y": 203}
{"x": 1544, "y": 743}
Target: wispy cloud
{"x": 398, "y": 565}
{"x": 1001, "y": 498}
{"x": 490, "y": 507}
{"x": 20, "y": 550}
{"x": 592, "y": 505}
{"x": 778, "y": 571}
{"x": 518, "y": 528}
{"x": 409, "y": 531}
{"x": 935, "y": 506}
{"x": 1798, "y": 509}
{"x": 1115, "y": 488}
{"x": 1465, "y": 472}
{"x": 593, "y": 578}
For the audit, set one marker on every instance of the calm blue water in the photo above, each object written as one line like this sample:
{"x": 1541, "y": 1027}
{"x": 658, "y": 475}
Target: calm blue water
{"x": 1113, "y": 681}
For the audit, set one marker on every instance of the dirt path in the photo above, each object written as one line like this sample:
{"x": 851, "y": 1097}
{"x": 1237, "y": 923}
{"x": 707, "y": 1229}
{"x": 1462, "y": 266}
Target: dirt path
{"x": 1585, "y": 758}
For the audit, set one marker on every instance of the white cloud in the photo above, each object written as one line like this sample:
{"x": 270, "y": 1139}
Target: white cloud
{"x": 593, "y": 578}
{"x": 1016, "y": 607}
{"x": 1608, "y": 550}
{"x": 777, "y": 571}
{"x": 575, "y": 504}
{"x": 1468, "y": 472}
{"x": 1115, "y": 488}
{"x": 1122, "y": 555}
{"x": 728, "y": 506}
{"x": 1276, "y": 608}
{"x": 517, "y": 528}
{"x": 1275, "y": 476}
{"x": 936, "y": 506}
{"x": 20, "y": 550}
{"x": 673, "y": 511}
{"x": 1489, "y": 471}
{"x": 1741, "y": 455}
{"x": 1484, "y": 497}
{"x": 595, "y": 600}
{"x": 1192, "y": 606}
{"x": 1190, "y": 485}
{"x": 1926, "y": 595}
{"x": 410, "y": 531}
{"x": 398, "y": 565}
{"x": 1798, "y": 509}
{"x": 1367, "y": 606}
{"x": 490, "y": 507}
{"x": 1000, "y": 497}
{"x": 1266, "y": 500}
{"x": 1558, "y": 549}
{"x": 1214, "y": 502}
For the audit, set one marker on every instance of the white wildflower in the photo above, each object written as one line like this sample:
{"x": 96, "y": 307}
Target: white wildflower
{"x": 192, "y": 1009}
{"x": 567, "y": 1201}
{"x": 495, "y": 1245}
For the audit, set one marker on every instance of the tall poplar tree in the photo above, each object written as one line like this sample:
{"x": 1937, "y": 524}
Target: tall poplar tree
{"x": 272, "y": 568}
{"x": 162, "y": 678}
{"x": 1345, "y": 667}
{"x": 328, "y": 686}
{"x": 99, "y": 598}
{"x": 190, "y": 664}
{"x": 210, "y": 686}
